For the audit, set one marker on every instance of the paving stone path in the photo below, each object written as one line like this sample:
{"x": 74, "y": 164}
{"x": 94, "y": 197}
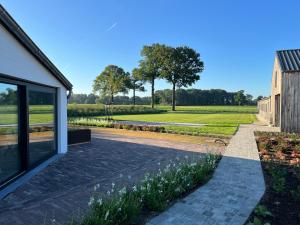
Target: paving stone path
{"x": 233, "y": 192}
{"x": 63, "y": 189}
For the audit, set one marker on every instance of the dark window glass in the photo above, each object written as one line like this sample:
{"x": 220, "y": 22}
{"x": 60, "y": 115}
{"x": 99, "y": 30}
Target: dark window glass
{"x": 10, "y": 159}
{"x": 41, "y": 126}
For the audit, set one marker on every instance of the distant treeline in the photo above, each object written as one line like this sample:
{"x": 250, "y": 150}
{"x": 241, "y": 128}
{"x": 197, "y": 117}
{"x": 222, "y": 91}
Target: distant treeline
{"x": 183, "y": 97}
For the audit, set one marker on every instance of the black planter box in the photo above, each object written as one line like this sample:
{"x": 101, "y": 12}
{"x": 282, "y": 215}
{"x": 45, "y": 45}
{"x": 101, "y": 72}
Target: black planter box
{"x": 76, "y": 136}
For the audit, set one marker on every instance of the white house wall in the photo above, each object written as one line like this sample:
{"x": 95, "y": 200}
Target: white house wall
{"x": 16, "y": 61}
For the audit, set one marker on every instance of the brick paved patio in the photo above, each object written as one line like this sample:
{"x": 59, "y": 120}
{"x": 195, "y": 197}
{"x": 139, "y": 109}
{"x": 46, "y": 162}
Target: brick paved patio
{"x": 63, "y": 189}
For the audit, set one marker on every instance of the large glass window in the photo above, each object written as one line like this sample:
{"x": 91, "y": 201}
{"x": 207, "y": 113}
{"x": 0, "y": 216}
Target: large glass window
{"x": 10, "y": 159}
{"x": 41, "y": 125}
{"x": 27, "y": 127}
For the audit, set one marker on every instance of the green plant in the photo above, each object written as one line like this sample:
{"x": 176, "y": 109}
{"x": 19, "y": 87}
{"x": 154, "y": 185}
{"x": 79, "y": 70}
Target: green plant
{"x": 262, "y": 211}
{"x": 278, "y": 178}
{"x": 257, "y": 221}
{"x": 84, "y": 110}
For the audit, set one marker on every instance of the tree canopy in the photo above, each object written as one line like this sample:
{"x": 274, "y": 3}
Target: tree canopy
{"x": 150, "y": 65}
{"x": 180, "y": 67}
{"x": 111, "y": 81}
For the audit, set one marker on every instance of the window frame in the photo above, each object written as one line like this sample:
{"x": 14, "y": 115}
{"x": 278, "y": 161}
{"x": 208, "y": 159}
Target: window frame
{"x": 23, "y": 87}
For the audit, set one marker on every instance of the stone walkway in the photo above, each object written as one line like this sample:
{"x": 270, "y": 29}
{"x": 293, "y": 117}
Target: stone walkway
{"x": 63, "y": 189}
{"x": 233, "y": 192}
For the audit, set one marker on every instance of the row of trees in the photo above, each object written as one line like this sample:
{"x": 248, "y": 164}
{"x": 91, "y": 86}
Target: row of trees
{"x": 183, "y": 97}
{"x": 180, "y": 66}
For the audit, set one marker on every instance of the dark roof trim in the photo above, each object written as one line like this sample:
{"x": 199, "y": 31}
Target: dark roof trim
{"x": 11, "y": 25}
{"x": 289, "y": 60}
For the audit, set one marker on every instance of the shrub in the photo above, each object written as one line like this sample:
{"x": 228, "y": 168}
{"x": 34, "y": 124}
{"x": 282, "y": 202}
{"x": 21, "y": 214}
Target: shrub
{"x": 82, "y": 110}
{"x": 111, "y": 124}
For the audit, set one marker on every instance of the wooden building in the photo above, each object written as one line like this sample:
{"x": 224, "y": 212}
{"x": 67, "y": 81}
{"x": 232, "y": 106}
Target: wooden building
{"x": 282, "y": 108}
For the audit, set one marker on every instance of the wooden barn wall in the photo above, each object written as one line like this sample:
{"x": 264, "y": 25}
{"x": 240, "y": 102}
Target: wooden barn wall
{"x": 275, "y": 87}
{"x": 290, "y": 102}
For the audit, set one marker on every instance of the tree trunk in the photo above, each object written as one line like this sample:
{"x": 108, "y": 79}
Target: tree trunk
{"x": 173, "y": 97}
{"x": 133, "y": 96}
{"x": 112, "y": 99}
{"x": 152, "y": 93}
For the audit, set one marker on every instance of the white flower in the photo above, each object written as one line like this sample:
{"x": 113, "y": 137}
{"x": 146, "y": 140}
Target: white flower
{"x": 108, "y": 193}
{"x": 113, "y": 185}
{"x": 99, "y": 201}
{"x": 158, "y": 163}
{"x": 119, "y": 209}
{"x": 96, "y": 187}
{"x": 186, "y": 157}
{"x": 123, "y": 191}
{"x": 92, "y": 199}
{"x": 134, "y": 188}
{"x": 148, "y": 186}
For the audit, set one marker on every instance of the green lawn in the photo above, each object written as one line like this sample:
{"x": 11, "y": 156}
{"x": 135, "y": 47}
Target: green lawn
{"x": 6, "y": 119}
{"x": 212, "y": 109}
{"x": 228, "y": 118}
{"x": 220, "y": 120}
{"x": 207, "y": 129}
{"x": 37, "y": 114}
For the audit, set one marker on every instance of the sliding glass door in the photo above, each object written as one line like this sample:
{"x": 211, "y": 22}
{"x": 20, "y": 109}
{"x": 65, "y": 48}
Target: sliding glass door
{"x": 10, "y": 158}
{"x": 27, "y": 127}
{"x": 41, "y": 125}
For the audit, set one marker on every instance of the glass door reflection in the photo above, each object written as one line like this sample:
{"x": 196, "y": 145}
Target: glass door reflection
{"x": 10, "y": 157}
{"x": 41, "y": 126}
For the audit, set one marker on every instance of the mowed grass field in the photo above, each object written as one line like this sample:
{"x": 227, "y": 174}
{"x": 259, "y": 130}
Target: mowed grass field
{"x": 199, "y": 118}
{"x": 37, "y": 114}
{"x": 219, "y": 120}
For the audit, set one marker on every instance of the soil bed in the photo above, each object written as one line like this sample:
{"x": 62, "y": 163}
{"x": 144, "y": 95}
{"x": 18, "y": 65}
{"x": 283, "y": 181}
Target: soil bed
{"x": 280, "y": 157}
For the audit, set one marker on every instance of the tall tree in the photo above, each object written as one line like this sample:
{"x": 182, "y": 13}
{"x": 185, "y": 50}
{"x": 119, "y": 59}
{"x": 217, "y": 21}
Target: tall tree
{"x": 136, "y": 82}
{"x": 181, "y": 67}
{"x": 150, "y": 66}
{"x": 240, "y": 98}
{"x": 112, "y": 80}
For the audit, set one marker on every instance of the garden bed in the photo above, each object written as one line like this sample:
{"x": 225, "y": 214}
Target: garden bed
{"x": 155, "y": 193}
{"x": 280, "y": 157}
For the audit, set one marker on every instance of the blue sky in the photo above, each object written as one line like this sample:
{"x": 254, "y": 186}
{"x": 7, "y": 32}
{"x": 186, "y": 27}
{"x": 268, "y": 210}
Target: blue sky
{"x": 237, "y": 39}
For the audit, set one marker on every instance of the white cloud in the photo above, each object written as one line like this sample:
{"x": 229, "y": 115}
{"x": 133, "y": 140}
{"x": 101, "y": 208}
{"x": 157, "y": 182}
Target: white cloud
{"x": 112, "y": 26}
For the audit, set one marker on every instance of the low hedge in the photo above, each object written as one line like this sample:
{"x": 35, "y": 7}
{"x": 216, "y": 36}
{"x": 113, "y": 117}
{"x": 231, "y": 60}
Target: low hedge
{"x": 109, "y": 124}
{"x": 83, "y": 110}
